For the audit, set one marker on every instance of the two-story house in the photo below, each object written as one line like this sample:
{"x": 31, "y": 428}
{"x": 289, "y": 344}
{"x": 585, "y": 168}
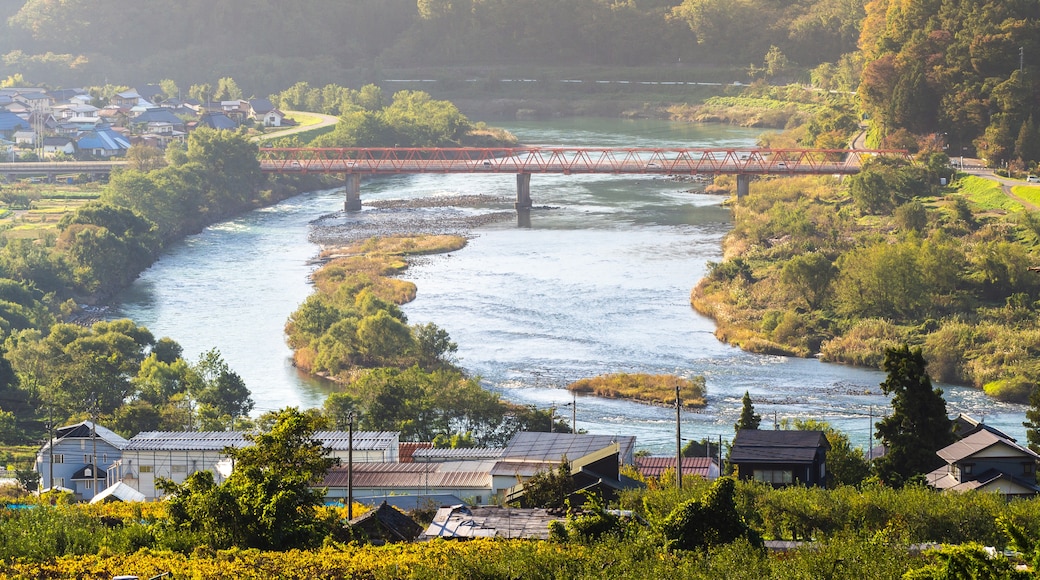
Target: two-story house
{"x": 78, "y": 458}
{"x": 987, "y": 460}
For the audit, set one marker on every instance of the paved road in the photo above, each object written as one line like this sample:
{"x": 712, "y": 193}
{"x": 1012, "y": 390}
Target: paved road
{"x": 977, "y": 168}
{"x": 326, "y": 121}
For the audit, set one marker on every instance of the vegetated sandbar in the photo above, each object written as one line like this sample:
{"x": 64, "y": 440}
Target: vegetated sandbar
{"x": 645, "y": 388}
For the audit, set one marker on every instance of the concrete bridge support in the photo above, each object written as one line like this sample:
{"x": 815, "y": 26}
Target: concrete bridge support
{"x": 353, "y": 192}
{"x": 523, "y": 192}
{"x": 743, "y": 185}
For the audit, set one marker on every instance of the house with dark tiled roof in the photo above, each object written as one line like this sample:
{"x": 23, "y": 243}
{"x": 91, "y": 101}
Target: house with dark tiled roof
{"x": 264, "y": 112}
{"x": 987, "y": 460}
{"x": 218, "y": 121}
{"x": 781, "y": 458}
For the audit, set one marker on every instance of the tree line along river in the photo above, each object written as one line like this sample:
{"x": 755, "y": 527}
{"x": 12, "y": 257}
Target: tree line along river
{"x": 597, "y": 282}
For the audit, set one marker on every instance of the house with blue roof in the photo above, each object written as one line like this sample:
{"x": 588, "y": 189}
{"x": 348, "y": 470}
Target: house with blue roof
{"x": 11, "y": 124}
{"x": 102, "y": 142}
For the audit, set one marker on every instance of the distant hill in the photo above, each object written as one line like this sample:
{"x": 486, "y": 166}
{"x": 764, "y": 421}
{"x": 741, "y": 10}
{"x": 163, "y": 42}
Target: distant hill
{"x": 267, "y": 45}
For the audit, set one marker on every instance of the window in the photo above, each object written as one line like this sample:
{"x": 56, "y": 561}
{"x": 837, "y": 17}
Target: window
{"x": 146, "y": 469}
{"x": 178, "y": 468}
{"x": 58, "y": 458}
{"x": 1028, "y": 468}
{"x": 86, "y": 459}
{"x": 966, "y": 468}
{"x": 774, "y": 476}
{"x": 89, "y": 484}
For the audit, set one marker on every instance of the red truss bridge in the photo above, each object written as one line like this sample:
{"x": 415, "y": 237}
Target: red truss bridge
{"x": 523, "y": 162}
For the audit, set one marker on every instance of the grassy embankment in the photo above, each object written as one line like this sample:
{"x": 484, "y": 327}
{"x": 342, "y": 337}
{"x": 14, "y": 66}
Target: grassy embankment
{"x": 954, "y": 282}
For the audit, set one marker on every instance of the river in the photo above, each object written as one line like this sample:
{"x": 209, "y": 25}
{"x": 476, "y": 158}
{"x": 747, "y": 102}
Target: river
{"x": 598, "y": 282}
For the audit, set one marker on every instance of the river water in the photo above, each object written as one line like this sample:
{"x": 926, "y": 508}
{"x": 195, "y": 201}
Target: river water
{"x": 597, "y": 282}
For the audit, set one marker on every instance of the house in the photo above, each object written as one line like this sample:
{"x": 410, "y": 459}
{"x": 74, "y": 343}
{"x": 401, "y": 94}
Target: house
{"x": 655, "y": 466}
{"x": 55, "y": 145}
{"x": 175, "y": 455}
{"x": 987, "y": 460}
{"x": 25, "y": 138}
{"x": 781, "y": 458}
{"x": 384, "y": 525}
{"x": 461, "y": 522}
{"x": 11, "y": 123}
{"x": 69, "y": 460}
{"x": 431, "y": 454}
{"x": 35, "y": 100}
{"x": 102, "y": 142}
{"x": 218, "y": 121}
{"x": 264, "y": 112}
{"x": 129, "y": 99}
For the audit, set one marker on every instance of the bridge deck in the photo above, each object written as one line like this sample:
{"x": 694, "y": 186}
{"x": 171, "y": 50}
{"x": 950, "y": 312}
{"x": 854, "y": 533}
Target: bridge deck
{"x": 374, "y": 161}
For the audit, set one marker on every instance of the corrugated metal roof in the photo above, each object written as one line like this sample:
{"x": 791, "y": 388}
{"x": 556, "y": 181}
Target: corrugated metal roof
{"x": 554, "y": 446}
{"x": 429, "y": 453}
{"x": 218, "y": 440}
{"x": 490, "y": 522}
{"x": 655, "y": 466}
{"x": 522, "y": 468}
{"x": 407, "y": 476}
{"x": 82, "y": 431}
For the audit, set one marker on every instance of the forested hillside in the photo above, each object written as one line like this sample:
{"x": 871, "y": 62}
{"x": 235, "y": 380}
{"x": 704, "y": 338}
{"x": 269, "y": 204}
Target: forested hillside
{"x": 272, "y": 45}
{"x": 964, "y": 69}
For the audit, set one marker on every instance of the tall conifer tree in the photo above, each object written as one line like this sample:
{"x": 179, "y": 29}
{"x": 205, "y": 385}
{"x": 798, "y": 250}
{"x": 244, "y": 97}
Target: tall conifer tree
{"x": 918, "y": 425}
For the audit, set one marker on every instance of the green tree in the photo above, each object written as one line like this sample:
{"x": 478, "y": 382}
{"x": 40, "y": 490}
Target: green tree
{"x": 269, "y": 501}
{"x": 749, "y": 419}
{"x": 1032, "y": 422}
{"x": 549, "y": 488}
{"x": 810, "y": 275}
{"x": 918, "y": 425}
{"x": 846, "y": 465}
{"x": 698, "y": 524}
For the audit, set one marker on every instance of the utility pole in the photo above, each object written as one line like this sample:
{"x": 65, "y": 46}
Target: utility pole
{"x": 574, "y": 412}
{"x": 350, "y": 467}
{"x": 678, "y": 440}
{"x": 870, "y": 436}
{"x": 93, "y": 439}
{"x": 552, "y": 417}
{"x": 50, "y": 433}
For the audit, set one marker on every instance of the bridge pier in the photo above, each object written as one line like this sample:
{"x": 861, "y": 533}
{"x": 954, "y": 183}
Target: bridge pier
{"x": 353, "y": 192}
{"x": 523, "y": 192}
{"x": 743, "y": 185}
